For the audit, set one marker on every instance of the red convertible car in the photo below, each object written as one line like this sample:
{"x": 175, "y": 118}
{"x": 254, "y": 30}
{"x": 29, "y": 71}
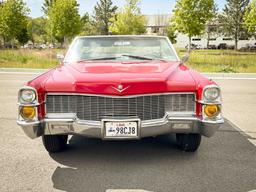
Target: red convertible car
{"x": 120, "y": 87}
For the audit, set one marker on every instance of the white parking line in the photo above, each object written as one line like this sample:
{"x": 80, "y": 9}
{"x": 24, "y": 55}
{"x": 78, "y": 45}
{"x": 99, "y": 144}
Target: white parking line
{"x": 243, "y": 132}
{"x": 20, "y": 73}
{"x": 233, "y": 78}
{"x": 253, "y": 141}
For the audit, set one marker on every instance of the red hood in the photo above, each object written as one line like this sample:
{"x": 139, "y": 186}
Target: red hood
{"x": 135, "y": 78}
{"x": 123, "y": 67}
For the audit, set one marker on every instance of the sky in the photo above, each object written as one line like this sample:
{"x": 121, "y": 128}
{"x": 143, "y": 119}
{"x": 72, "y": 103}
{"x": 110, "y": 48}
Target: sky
{"x": 148, "y": 7}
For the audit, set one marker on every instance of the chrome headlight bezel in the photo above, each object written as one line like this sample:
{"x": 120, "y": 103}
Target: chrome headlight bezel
{"x": 212, "y": 94}
{"x": 27, "y": 95}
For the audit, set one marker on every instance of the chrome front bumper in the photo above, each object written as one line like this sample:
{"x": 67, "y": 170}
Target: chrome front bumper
{"x": 166, "y": 125}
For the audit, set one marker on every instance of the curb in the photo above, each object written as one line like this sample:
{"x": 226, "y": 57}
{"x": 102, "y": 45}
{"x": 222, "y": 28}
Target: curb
{"x": 24, "y": 70}
{"x": 227, "y": 75}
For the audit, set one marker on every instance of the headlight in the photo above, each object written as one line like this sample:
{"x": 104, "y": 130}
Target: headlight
{"x": 211, "y": 93}
{"x": 211, "y": 111}
{"x": 27, "y": 95}
{"x": 27, "y": 112}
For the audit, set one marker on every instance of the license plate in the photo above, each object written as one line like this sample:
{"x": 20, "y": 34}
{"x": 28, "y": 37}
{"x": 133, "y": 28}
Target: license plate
{"x": 121, "y": 129}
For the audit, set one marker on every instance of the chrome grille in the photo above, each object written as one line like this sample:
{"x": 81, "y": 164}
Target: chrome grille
{"x": 95, "y": 108}
{"x": 180, "y": 103}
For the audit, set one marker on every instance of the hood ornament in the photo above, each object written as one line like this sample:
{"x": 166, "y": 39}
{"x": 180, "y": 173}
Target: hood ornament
{"x": 120, "y": 88}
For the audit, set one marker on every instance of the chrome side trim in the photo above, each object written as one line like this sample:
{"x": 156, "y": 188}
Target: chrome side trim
{"x": 32, "y": 105}
{"x": 209, "y": 103}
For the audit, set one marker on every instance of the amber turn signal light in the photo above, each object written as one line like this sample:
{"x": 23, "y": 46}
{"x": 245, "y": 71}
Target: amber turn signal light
{"x": 211, "y": 111}
{"x": 28, "y": 112}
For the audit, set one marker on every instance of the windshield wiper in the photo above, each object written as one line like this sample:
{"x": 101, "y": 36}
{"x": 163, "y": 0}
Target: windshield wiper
{"x": 96, "y": 59}
{"x": 144, "y": 58}
{"x": 125, "y": 55}
{"x": 138, "y": 57}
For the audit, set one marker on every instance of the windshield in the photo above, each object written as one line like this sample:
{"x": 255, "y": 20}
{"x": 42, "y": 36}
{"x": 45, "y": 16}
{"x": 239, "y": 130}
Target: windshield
{"x": 122, "y": 48}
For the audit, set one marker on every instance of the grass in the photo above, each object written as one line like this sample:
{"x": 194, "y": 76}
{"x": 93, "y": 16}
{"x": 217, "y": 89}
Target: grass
{"x": 38, "y": 59}
{"x": 227, "y": 61}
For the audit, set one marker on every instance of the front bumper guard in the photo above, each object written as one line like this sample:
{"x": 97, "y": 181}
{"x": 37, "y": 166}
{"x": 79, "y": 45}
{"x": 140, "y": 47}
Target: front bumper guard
{"x": 149, "y": 128}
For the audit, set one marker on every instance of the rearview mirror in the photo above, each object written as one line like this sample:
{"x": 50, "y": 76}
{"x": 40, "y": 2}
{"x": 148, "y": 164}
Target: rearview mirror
{"x": 60, "y": 57}
{"x": 185, "y": 58}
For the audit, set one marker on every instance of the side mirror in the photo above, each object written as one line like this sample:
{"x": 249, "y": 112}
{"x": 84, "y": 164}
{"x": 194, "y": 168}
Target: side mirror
{"x": 185, "y": 58}
{"x": 60, "y": 57}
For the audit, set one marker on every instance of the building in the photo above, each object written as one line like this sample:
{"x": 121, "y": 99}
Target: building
{"x": 214, "y": 42}
{"x": 157, "y": 26}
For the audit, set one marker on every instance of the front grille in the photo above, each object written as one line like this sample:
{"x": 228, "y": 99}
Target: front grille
{"x": 95, "y": 108}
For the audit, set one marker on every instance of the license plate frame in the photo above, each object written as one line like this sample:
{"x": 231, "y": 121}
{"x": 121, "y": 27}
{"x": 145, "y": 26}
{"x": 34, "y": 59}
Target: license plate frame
{"x": 105, "y": 136}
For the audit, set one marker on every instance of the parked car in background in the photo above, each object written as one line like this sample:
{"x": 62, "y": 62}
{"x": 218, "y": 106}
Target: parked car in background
{"x": 222, "y": 46}
{"x": 231, "y": 47}
{"x": 193, "y": 46}
{"x": 9, "y": 46}
{"x": 117, "y": 88}
{"x": 253, "y": 47}
{"x": 51, "y": 46}
{"x": 248, "y": 47}
{"x": 211, "y": 47}
{"x": 44, "y": 46}
{"x": 28, "y": 46}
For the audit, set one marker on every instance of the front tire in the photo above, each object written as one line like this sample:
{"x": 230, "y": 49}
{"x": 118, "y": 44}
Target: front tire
{"x": 188, "y": 142}
{"x": 55, "y": 143}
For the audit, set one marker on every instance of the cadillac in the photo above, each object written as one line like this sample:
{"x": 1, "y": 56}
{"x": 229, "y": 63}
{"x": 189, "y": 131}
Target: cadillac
{"x": 120, "y": 87}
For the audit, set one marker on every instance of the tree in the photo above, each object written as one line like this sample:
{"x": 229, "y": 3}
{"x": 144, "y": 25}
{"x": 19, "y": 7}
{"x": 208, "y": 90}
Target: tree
{"x": 103, "y": 12}
{"x": 47, "y": 4}
{"x": 171, "y": 33}
{"x": 232, "y": 19}
{"x": 212, "y": 25}
{"x": 64, "y": 20}
{"x": 250, "y": 17}
{"x": 23, "y": 36}
{"x": 13, "y": 18}
{"x": 129, "y": 21}
{"x": 37, "y": 30}
{"x": 88, "y": 27}
{"x": 191, "y": 16}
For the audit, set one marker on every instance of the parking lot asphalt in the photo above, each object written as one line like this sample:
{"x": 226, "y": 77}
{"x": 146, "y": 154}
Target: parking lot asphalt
{"x": 225, "y": 162}
{"x": 239, "y": 103}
